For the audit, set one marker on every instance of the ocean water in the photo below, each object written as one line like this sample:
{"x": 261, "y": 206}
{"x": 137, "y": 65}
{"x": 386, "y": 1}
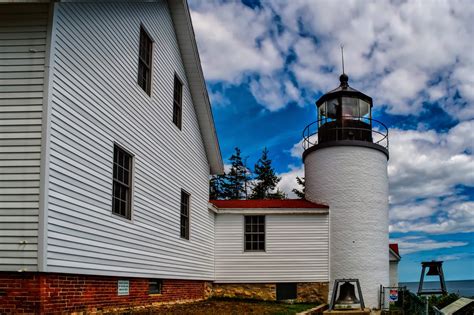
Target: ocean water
{"x": 463, "y": 287}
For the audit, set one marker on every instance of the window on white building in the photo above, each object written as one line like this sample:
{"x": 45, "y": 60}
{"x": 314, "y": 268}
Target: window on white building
{"x": 185, "y": 215}
{"x": 177, "y": 102}
{"x": 122, "y": 188}
{"x": 254, "y": 233}
{"x": 145, "y": 59}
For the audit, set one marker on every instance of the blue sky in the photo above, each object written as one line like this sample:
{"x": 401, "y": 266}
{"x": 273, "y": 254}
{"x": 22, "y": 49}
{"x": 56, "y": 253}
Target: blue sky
{"x": 266, "y": 63}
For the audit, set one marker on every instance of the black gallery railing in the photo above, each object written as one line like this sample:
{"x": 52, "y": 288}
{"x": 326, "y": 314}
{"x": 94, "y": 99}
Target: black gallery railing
{"x": 348, "y": 128}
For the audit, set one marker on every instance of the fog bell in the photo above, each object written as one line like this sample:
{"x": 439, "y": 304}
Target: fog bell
{"x": 347, "y": 294}
{"x": 433, "y": 271}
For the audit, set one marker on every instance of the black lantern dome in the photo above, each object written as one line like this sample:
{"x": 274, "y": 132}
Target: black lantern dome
{"x": 344, "y": 114}
{"x": 345, "y": 118}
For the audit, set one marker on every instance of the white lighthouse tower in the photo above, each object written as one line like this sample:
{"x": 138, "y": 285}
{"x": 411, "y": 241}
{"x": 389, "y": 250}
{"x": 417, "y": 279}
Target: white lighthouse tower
{"x": 345, "y": 158}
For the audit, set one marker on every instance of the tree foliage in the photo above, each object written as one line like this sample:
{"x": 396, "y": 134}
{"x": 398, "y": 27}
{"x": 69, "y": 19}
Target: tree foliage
{"x": 300, "y": 192}
{"x": 239, "y": 183}
{"x": 216, "y": 187}
{"x": 265, "y": 180}
{"x": 237, "y": 179}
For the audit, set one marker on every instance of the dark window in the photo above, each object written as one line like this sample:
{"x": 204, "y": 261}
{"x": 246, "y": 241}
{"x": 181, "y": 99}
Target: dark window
{"x": 184, "y": 215}
{"x": 255, "y": 233}
{"x": 145, "y": 61}
{"x": 122, "y": 191}
{"x": 177, "y": 102}
{"x": 154, "y": 286}
{"x": 286, "y": 291}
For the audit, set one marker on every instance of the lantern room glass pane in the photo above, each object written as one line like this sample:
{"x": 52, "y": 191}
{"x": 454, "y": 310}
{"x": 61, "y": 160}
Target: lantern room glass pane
{"x": 364, "y": 109}
{"x": 322, "y": 111}
{"x": 322, "y": 114}
{"x": 332, "y": 108}
{"x": 350, "y": 107}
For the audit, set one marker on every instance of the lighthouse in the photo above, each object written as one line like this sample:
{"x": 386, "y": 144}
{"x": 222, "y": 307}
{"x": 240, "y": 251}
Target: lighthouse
{"x": 345, "y": 161}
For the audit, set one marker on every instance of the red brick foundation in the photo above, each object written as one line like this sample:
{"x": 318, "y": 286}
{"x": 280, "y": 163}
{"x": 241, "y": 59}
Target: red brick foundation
{"x": 46, "y": 293}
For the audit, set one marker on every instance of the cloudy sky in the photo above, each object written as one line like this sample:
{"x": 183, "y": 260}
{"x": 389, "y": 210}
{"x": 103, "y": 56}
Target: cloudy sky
{"x": 266, "y": 62}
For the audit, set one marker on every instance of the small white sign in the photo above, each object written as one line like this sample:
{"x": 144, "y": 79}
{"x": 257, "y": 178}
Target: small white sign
{"x": 123, "y": 287}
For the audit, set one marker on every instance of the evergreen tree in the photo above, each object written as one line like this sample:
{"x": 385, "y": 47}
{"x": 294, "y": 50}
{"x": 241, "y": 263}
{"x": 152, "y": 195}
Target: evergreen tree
{"x": 265, "y": 180}
{"x": 247, "y": 179}
{"x": 278, "y": 194}
{"x": 237, "y": 178}
{"x": 301, "y": 182}
{"x": 216, "y": 187}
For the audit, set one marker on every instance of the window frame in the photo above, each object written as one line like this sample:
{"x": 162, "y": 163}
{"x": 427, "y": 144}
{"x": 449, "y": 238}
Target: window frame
{"x": 117, "y": 182}
{"x": 178, "y": 106}
{"x": 185, "y": 217}
{"x": 159, "y": 285}
{"x": 147, "y": 64}
{"x": 251, "y": 233}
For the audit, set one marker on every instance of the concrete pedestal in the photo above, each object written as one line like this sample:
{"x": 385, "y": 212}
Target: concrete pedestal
{"x": 365, "y": 311}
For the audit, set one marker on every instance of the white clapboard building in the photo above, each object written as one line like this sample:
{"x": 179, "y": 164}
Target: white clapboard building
{"x": 107, "y": 142}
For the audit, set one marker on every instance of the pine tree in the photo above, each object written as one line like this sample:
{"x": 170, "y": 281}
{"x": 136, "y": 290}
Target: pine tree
{"x": 247, "y": 179}
{"x": 265, "y": 180}
{"x": 237, "y": 178}
{"x": 301, "y": 182}
{"x": 216, "y": 187}
{"x": 278, "y": 194}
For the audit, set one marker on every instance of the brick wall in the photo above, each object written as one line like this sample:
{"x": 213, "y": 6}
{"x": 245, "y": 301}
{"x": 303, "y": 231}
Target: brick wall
{"x": 37, "y": 293}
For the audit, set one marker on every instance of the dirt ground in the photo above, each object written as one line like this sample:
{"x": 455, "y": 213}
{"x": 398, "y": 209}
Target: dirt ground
{"x": 224, "y": 307}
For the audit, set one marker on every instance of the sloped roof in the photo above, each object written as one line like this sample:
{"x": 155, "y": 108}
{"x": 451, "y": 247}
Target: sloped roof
{"x": 393, "y": 248}
{"x": 268, "y": 203}
{"x": 457, "y": 306}
{"x": 192, "y": 64}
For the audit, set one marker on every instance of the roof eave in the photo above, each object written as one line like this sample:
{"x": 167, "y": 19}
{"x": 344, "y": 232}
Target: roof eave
{"x": 342, "y": 93}
{"x": 395, "y": 254}
{"x": 266, "y": 211}
{"x": 181, "y": 17}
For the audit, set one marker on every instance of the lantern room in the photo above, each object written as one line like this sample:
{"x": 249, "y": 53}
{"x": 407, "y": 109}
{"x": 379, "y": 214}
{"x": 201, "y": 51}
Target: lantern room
{"x": 344, "y": 114}
{"x": 345, "y": 118}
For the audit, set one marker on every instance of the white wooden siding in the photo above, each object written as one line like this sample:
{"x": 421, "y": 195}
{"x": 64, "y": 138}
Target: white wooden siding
{"x": 23, "y": 33}
{"x": 297, "y": 250}
{"x": 96, "y": 102}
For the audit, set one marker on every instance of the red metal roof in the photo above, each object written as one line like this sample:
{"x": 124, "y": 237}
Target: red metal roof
{"x": 394, "y": 247}
{"x": 267, "y": 203}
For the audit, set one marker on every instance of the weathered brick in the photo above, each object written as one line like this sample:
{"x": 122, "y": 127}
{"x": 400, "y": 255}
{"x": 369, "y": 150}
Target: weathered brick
{"x": 38, "y": 293}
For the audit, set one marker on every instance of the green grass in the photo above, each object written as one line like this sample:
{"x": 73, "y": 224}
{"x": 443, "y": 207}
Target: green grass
{"x": 295, "y": 308}
{"x": 284, "y": 308}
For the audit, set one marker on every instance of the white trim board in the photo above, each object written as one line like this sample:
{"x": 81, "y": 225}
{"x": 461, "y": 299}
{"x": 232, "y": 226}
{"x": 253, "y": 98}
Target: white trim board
{"x": 264, "y": 211}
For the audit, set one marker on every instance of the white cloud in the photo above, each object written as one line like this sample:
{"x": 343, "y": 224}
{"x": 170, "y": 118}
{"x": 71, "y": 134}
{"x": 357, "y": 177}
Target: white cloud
{"x": 426, "y": 164}
{"x": 233, "y": 40}
{"x": 298, "y": 148}
{"x": 394, "y": 50}
{"x": 288, "y": 180}
{"x": 272, "y": 93}
{"x": 454, "y": 256}
{"x": 399, "y": 89}
{"x": 413, "y": 211}
{"x": 218, "y": 98}
{"x": 412, "y": 244}
{"x": 425, "y": 169}
{"x": 457, "y": 218}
